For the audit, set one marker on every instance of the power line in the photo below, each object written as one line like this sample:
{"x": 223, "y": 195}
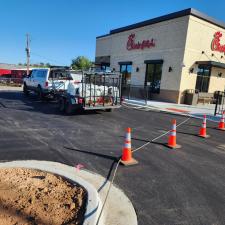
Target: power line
{"x": 51, "y": 60}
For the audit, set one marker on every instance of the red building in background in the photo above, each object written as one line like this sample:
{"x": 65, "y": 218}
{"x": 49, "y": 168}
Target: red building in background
{"x": 12, "y": 71}
{"x": 4, "y": 72}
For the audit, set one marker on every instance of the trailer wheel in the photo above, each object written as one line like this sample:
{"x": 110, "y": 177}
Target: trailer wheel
{"x": 62, "y": 105}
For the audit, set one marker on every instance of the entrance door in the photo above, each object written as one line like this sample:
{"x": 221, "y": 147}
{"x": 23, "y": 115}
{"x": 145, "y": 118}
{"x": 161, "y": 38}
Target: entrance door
{"x": 153, "y": 77}
{"x": 126, "y": 70}
{"x": 203, "y": 78}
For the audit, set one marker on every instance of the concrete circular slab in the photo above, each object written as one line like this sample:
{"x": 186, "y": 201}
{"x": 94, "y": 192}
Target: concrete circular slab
{"x": 118, "y": 208}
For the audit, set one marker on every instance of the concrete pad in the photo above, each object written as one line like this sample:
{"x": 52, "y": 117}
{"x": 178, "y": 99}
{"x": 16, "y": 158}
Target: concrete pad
{"x": 10, "y": 88}
{"x": 118, "y": 208}
{"x": 174, "y": 147}
{"x": 129, "y": 163}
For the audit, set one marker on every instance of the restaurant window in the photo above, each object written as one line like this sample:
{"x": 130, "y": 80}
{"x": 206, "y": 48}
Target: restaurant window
{"x": 203, "y": 78}
{"x": 105, "y": 67}
{"x": 125, "y": 70}
{"x": 153, "y": 75}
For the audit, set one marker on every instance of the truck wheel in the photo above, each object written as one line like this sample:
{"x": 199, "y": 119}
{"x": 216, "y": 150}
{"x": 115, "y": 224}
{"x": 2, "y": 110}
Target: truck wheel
{"x": 68, "y": 108}
{"x": 25, "y": 90}
{"x": 40, "y": 93}
{"x": 62, "y": 105}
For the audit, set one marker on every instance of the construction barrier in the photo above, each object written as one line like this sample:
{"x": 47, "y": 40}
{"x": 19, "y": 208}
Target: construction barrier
{"x": 127, "y": 158}
{"x": 221, "y": 125}
{"x": 202, "y": 131}
{"x": 172, "y": 142}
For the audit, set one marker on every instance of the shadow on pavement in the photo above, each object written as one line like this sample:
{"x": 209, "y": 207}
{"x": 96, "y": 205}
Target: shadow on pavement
{"x": 18, "y": 101}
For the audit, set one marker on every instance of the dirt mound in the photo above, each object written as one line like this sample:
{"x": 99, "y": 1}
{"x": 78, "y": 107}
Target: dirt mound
{"x": 34, "y": 197}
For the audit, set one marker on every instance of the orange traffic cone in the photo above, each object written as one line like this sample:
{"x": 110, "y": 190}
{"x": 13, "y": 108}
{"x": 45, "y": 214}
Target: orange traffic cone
{"x": 127, "y": 159}
{"x": 172, "y": 142}
{"x": 202, "y": 131}
{"x": 221, "y": 125}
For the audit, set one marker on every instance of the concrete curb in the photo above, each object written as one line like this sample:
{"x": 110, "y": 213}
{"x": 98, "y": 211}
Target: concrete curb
{"x": 118, "y": 208}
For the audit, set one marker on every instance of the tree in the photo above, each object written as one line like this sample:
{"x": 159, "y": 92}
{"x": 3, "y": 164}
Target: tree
{"x": 81, "y": 63}
{"x": 47, "y": 64}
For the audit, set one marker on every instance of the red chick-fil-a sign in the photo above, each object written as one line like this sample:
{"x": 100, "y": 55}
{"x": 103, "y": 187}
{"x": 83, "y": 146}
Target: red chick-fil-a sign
{"x": 131, "y": 45}
{"x": 216, "y": 45}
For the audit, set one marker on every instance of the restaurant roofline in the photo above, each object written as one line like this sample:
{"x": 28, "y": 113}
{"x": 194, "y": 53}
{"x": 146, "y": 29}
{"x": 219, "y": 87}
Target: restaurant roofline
{"x": 185, "y": 12}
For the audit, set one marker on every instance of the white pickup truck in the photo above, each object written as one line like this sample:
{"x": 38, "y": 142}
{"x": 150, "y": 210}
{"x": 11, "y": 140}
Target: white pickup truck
{"x": 47, "y": 81}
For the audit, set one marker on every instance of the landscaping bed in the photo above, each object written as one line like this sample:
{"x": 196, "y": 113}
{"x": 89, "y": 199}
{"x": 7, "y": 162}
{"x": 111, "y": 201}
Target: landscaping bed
{"x": 29, "y": 197}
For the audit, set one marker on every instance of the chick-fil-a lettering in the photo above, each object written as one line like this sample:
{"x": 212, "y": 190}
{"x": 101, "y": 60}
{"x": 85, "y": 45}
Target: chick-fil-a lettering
{"x": 131, "y": 45}
{"x": 216, "y": 46}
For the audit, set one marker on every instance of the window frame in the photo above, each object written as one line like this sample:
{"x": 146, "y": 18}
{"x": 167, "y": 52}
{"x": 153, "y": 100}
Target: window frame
{"x": 154, "y": 63}
{"x": 203, "y": 77}
{"x": 124, "y": 79}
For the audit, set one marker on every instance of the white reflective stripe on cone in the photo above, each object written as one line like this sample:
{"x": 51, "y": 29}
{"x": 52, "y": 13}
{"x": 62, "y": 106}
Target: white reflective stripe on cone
{"x": 174, "y": 127}
{"x": 128, "y": 136}
{"x": 172, "y": 133}
{"x": 127, "y": 145}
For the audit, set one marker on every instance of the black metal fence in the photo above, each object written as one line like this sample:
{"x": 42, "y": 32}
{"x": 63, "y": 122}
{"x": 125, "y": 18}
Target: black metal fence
{"x": 101, "y": 89}
{"x": 220, "y": 102}
{"x": 136, "y": 92}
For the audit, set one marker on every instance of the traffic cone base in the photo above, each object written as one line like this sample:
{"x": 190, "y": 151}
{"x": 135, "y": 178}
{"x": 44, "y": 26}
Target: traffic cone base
{"x": 131, "y": 162}
{"x": 174, "y": 146}
{"x": 223, "y": 129}
{"x": 204, "y": 136}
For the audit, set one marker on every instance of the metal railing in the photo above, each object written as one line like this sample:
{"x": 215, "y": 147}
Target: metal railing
{"x": 220, "y": 103}
{"x": 136, "y": 92}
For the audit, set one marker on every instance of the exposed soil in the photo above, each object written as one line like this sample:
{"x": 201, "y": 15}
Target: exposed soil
{"x": 29, "y": 197}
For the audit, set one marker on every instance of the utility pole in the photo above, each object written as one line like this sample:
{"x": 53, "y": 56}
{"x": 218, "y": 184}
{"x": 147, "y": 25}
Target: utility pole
{"x": 28, "y": 53}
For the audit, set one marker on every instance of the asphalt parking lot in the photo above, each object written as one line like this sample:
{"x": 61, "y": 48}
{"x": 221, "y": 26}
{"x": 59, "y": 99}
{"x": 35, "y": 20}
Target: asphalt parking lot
{"x": 167, "y": 187}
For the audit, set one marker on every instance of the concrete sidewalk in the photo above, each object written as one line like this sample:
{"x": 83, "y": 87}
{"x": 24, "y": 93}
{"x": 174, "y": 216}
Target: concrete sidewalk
{"x": 180, "y": 109}
{"x": 10, "y": 88}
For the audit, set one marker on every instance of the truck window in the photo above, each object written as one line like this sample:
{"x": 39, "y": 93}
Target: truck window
{"x": 41, "y": 74}
{"x": 33, "y": 74}
{"x": 59, "y": 75}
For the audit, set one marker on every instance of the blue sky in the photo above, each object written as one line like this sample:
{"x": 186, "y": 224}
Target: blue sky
{"x": 63, "y": 29}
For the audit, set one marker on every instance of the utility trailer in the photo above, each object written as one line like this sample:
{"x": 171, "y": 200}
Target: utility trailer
{"x": 91, "y": 91}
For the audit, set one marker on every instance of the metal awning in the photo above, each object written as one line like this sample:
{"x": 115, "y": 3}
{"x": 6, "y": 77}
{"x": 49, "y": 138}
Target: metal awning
{"x": 154, "y": 61}
{"x": 212, "y": 64}
{"x": 125, "y": 63}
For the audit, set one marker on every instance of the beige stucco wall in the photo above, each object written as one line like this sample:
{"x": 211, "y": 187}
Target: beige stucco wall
{"x": 170, "y": 39}
{"x": 217, "y": 83}
{"x": 199, "y": 37}
{"x": 103, "y": 46}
